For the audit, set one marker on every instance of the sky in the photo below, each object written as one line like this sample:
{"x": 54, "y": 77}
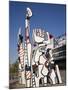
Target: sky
{"x": 50, "y": 17}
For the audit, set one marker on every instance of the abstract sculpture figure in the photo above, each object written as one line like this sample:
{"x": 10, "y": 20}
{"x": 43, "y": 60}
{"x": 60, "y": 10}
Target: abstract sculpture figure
{"x": 36, "y": 64}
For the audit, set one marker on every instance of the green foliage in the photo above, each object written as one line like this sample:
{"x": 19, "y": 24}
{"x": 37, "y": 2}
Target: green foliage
{"x": 13, "y": 68}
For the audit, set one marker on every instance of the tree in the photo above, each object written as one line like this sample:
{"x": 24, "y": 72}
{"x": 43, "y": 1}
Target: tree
{"x": 13, "y": 69}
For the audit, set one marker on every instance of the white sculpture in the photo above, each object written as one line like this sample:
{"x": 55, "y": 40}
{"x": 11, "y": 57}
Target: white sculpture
{"x": 45, "y": 63}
